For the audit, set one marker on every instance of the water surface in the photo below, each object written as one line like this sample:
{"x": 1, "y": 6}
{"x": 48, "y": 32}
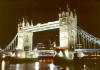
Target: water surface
{"x": 6, "y": 65}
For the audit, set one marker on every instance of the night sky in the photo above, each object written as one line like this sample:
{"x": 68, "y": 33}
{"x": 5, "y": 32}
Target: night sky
{"x": 12, "y": 11}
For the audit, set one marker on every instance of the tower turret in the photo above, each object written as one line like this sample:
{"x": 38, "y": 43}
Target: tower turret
{"x": 23, "y": 23}
{"x": 20, "y": 27}
{"x": 67, "y": 33}
{"x": 68, "y": 9}
{"x": 27, "y": 24}
{"x": 75, "y": 15}
{"x": 60, "y": 15}
{"x": 71, "y": 14}
{"x": 31, "y": 23}
{"x": 63, "y": 14}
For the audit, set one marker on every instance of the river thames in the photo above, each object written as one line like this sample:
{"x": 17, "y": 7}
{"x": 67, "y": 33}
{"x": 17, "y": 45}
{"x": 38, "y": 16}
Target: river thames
{"x": 45, "y": 65}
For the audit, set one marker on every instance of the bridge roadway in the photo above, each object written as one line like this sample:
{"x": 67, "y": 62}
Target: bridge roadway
{"x": 87, "y": 50}
{"x": 46, "y": 53}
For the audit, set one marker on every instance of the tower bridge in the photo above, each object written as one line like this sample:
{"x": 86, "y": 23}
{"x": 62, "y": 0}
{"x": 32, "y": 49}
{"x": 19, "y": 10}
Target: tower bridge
{"x": 70, "y": 35}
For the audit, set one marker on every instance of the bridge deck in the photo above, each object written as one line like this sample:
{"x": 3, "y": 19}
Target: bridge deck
{"x": 87, "y": 50}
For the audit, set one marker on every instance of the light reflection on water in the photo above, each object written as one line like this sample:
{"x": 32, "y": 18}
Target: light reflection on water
{"x": 29, "y": 66}
{"x": 3, "y": 65}
{"x": 51, "y": 66}
{"x": 48, "y": 66}
{"x": 36, "y": 65}
{"x": 17, "y": 66}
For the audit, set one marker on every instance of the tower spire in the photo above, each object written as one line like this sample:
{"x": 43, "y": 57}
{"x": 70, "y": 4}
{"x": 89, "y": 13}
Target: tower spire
{"x": 31, "y": 23}
{"x": 60, "y": 9}
{"x": 75, "y": 12}
{"x": 23, "y": 22}
{"x": 67, "y": 6}
{"x": 60, "y": 13}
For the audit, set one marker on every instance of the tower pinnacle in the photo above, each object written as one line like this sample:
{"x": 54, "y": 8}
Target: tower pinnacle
{"x": 60, "y": 10}
{"x": 23, "y": 22}
{"x": 31, "y": 23}
{"x": 75, "y": 12}
{"x": 67, "y": 6}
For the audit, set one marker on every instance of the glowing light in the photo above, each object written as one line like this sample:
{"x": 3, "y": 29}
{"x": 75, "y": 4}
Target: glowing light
{"x": 66, "y": 53}
{"x": 3, "y": 56}
{"x": 51, "y": 66}
{"x": 67, "y": 68}
{"x": 3, "y": 65}
{"x": 36, "y": 65}
{"x": 62, "y": 47}
{"x": 38, "y": 24}
{"x": 35, "y": 49}
{"x": 13, "y": 55}
{"x": 60, "y": 54}
{"x": 84, "y": 67}
{"x": 18, "y": 55}
{"x": 36, "y": 53}
{"x": 20, "y": 42}
{"x": 81, "y": 54}
{"x": 17, "y": 67}
{"x": 63, "y": 37}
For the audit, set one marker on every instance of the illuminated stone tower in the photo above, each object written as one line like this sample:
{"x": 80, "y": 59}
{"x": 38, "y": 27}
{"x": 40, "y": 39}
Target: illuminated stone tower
{"x": 24, "y": 39}
{"x": 68, "y": 34}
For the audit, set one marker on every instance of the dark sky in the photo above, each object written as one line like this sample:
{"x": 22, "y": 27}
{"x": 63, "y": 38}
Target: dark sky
{"x": 88, "y": 12}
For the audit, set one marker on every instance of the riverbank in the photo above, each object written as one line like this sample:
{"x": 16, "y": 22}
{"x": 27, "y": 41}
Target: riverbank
{"x": 61, "y": 60}
{"x": 76, "y": 60}
{"x": 19, "y": 60}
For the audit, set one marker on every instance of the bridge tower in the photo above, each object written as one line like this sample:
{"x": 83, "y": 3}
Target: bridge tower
{"x": 24, "y": 45}
{"x": 68, "y": 35}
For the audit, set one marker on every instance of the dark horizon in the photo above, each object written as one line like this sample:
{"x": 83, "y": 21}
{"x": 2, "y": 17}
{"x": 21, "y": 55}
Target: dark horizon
{"x": 11, "y": 13}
